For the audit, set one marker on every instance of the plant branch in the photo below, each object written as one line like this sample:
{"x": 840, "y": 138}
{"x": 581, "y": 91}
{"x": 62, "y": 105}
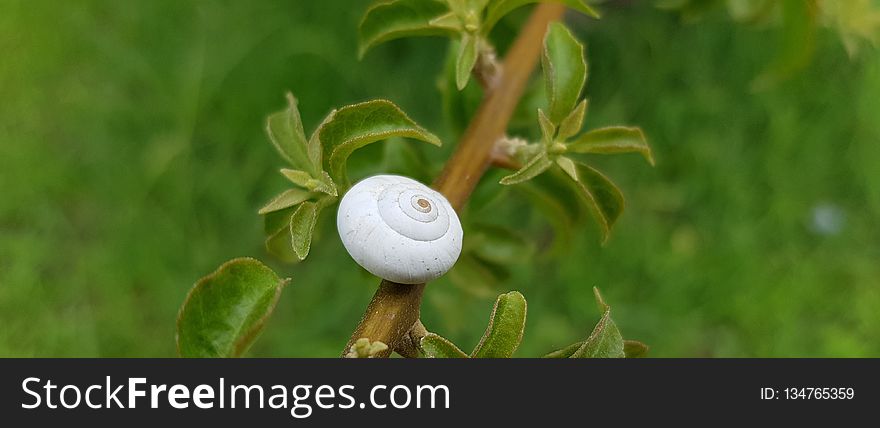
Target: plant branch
{"x": 395, "y": 307}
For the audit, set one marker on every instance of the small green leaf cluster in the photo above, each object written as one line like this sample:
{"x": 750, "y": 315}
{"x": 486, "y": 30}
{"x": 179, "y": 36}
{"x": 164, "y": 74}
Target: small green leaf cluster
{"x": 318, "y": 165}
{"x": 507, "y": 324}
{"x": 467, "y": 21}
{"x": 563, "y": 144}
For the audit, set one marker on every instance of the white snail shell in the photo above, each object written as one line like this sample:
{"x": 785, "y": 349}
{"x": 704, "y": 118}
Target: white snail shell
{"x": 399, "y": 229}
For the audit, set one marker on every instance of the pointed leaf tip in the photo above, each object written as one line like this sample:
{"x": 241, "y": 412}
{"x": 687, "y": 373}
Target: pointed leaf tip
{"x": 286, "y": 199}
{"x": 285, "y": 131}
{"x": 532, "y": 169}
{"x": 605, "y": 340}
{"x": 467, "y": 58}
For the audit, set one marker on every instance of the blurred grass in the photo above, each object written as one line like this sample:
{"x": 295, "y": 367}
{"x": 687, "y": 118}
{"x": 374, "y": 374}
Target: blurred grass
{"x": 132, "y": 161}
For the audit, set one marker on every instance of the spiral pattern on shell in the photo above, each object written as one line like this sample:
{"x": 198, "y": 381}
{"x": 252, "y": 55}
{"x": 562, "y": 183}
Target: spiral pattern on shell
{"x": 399, "y": 229}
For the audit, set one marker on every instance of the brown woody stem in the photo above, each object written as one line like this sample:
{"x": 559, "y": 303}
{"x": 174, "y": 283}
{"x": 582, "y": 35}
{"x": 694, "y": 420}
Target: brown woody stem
{"x": 395, "y": 307}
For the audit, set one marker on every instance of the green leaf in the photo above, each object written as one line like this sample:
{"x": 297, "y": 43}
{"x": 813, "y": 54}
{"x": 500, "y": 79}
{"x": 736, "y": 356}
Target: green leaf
{"x": 499, "y": 8}
{"x": 605, "y": 341}
{"x": 548, "y": 129}
{"x": 635, "y": 349}
{"x": 434, "y": 346}
{"x": 612, "y": 140}
{"x": 460, "y": 7}
{"x": 305, "y": 180}
{"x": 565, "y": 70}
{"x": 402, "y": 18}
{"x": 601, "y": 195}
{"x": 566, "y": 352}
{"x": 568, "y": 166}
{"x": 458, "y": 106}
{"x": 450, "y": 21}
{"x": 300, "y": 178}
{"x": 286, "y": 199}
{"x": 573, "y": 123}
{"x": 226, "y": 310}
{"x": 467, "y": 57}
{"x": 533, "y": 168}
{"x": 355, "y": 126}
{"x": 505, "y": 330}
{"x": 302, "y": 225}
{"x": 285, "y": 131}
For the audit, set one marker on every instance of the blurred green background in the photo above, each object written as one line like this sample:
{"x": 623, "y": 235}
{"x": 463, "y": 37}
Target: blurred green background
{"x": 133, "y": 160}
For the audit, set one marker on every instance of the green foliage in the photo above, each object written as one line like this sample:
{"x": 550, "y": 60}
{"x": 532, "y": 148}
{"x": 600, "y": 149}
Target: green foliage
{"x": 565, "y": 73}
{"x": 566, "y": 352}
{"x": 286, "y": 134}
{"x": 468, "y": 51}
{"x": 506, "y": 326}
{"x": 573, "y": 123}
{"x": 434, "y": 346}
{"x": 604, "y": 341}
{"x": 613, "y": 140}
{"x": 505, "y": 332}
{"x": 530, "y": 170}
{"x": 355, "y": 126}
{"x": 302, "y": 224}
{"x": 601, "y": 195}
{"x": 226, "y": 310}
{"x": 152, "y": 194}
{"x": 468, "y": 22}
{"x": 285, "y": 200}
{"x": 501, "y": 339}
{"x": 295, "y": 211}
{"x": 387, "y": 21}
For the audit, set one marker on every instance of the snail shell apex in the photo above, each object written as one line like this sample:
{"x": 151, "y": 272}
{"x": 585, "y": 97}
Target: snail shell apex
{"x": 399, "y": 229}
